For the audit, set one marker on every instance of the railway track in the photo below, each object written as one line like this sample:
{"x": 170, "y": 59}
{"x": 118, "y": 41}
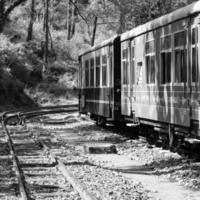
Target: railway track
{"x": 37, "y": 162}
{"x": 36, "y": 171}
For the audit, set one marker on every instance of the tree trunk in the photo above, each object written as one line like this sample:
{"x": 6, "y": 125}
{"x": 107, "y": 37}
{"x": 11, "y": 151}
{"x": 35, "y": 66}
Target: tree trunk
{"x": 122, "y": 24}
{"x": 30, "y": 28}
{"x": 46, "y": 33}
{"x": 6, "y": 10}
{"x": 73, "y": 20}
{"x": 94, "y": 31}
{"x": 68, "y": 20}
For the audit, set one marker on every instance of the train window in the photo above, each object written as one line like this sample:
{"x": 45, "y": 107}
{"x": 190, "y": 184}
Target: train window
{"x": 180, "y": 54}
{"x": 104, "y": 70}
{"x": 181, "y": 66}
{"x": 165, "y": 67}
{"x": 166, "y": 43}
{"x": 166, "y": 59}
{"x": 180, "y": 39}
{"x": 194, "y": 35}
{"x": 139, "y": 73}
{"x": 150, "y": 62}
{"x": 87, "y": 73}
{"x": 125, "y": 66}
{"x": 150, "y": 69}
{"x": 92, "y": 72}
{"x": 83, "y": 75}
{"x": 111, "y": 68}
{"x": 195, "y": 70}
{"x": 98, "y": 71}
{"x": 150, "y": 47}
{"x": 133, "y": 64}
{"x": 80, "y": 78}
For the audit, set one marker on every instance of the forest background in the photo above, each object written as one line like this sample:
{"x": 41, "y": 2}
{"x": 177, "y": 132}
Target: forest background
{"x": 40, "y": 41}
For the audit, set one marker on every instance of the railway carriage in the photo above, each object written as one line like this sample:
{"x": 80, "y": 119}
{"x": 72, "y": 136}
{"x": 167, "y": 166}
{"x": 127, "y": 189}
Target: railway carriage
{"x": 148, "y": 76}
{"x": 99, "y": 81}
{"x": 160, "y": 72}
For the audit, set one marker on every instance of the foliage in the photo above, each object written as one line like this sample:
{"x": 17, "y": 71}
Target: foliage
{"x": 20, "y": 60}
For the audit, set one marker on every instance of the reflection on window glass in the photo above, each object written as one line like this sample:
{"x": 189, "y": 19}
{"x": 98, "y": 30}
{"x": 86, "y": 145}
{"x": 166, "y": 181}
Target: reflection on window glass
{"x": 98, "y": 71}
{"x": 150, "y": 61}
{"x": 104, "y": 70}
{"x": 87, "y": 73}
{"x": 133, "y": 64}
{"x": 152, "y": 80}
{"x": 166, "y": 42}
{"x": 180, "y": 39}
{"x": 150, "y": 69}
{"x": 180, "y": 54}
{"x": 125, "y": 66}
{"x": 166, "y": 59}
{"x": 180, "y": 66}
{"x": 195, "y": 70}
{"x": 92, "y": 72}
{"x": 166, "y": 67}
{"x": 150, "y": 47}
{"x": 111, "y": 69}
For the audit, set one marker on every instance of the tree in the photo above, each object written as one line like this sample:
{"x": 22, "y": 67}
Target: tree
{"x": 94, "y": 31}
{"x": 30, "y": 28}
{"x": 6, "y": 7}
{"x": 46, "y": 49}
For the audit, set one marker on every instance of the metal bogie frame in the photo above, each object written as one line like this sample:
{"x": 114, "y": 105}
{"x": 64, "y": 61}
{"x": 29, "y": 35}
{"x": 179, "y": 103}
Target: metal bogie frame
{"x": 156, "y": 75}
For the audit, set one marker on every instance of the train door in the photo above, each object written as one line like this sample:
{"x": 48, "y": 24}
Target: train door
{"x": 132, "y": 73}
{"x": 110, "y": 68}
{"x": 126, "y": 79}
{"x": 195, "y": 69}
{"x": 117, "y": 78}
{"x": 180, "y": 90}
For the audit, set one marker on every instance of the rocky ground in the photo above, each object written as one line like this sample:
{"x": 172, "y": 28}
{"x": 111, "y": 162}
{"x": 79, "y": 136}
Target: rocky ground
{"x": 102, "y": 175}
{"x": 135, "y": 171}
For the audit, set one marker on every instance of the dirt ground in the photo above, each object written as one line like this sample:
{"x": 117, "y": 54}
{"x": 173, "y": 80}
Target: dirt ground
{"x": 158, "y": 173}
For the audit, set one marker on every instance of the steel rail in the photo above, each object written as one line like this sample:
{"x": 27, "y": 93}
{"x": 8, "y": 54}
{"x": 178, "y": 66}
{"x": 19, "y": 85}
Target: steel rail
{"x": 60, "y": 165}
{"x": 19, "y": 114}
{"x": 22, "y": 186}
{"x": 85, "y": 195}
{"x": 39, "y": 111}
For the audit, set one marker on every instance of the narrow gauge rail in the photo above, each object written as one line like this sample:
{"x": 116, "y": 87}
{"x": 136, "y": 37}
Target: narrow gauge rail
{"x": 25, "y": 191}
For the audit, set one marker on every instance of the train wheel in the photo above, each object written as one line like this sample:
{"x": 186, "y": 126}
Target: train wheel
{"x": 171, "y": 136}
{"x": 100, "y": 121}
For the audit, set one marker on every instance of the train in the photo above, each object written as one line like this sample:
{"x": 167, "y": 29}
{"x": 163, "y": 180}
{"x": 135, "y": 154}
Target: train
{"x": 148, "y": 76}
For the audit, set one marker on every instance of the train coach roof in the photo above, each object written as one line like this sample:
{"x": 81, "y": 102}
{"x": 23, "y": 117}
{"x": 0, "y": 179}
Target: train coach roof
{"x": 101, "y": 45}
{"x": 164, "y": 20}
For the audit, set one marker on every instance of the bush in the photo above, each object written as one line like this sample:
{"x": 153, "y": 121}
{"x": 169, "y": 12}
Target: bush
{"x": 20, "y": 60}
{"x": 57, "y": 68}
{"x": 57, "y": 89}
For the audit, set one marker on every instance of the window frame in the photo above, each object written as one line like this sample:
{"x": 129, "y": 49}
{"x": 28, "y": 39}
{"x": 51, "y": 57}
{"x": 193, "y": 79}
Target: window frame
{"x": 99, "y": 66}
{"x": 167, "y": 50}
{"x": 132, "y": 63}
{"x": 87, "y": 71}
{"x": 150, "y": 55}
{"x": 196, "y": 46}
{"x": 125, "y": 60}
{"x": 90, "y": 68}
{"x": 111, "y": 67}
{"x": 106, "y": 69}
{"x": 179, "y": 48}
{"x": 80, "y": 77}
